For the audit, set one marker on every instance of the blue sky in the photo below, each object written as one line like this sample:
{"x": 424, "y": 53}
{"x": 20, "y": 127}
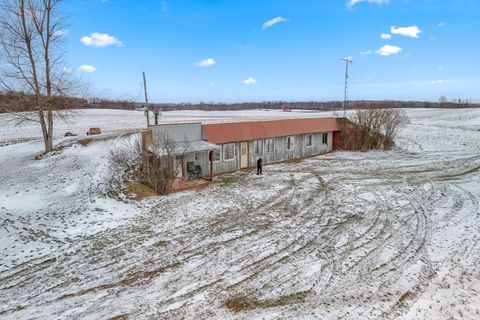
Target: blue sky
{"x": 229, "y": 51}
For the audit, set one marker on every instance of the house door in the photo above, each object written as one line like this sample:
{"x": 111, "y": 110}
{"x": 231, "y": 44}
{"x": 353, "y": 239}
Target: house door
{"x": 244, "y": 154}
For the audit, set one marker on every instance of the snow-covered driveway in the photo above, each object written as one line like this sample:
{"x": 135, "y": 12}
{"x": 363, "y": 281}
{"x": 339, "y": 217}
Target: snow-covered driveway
{"x": 378, "y": 235}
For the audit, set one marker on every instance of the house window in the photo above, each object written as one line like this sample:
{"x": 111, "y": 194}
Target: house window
{"x": 325, "y": 138}
{"x": 290, "y": 143}
{"x": 258, "y": 147}
{"x": 269, "y": 146}
{"x": 308, "y": 140}
{"x": 228, "y": 151}
{"x": 216, "y": 155}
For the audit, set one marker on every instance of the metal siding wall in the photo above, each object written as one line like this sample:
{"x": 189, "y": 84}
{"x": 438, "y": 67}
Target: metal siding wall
{"x": 280, "y": 154}
{"x": 230, "y": 165}
{"x": 330, "y": 142}
{"x": 315, "y": 145}
{"x": 318, "y": 146}
{"x": 177, "y": 132}
{"x": 266, "y": 157}
{"x": 280, "y": 149}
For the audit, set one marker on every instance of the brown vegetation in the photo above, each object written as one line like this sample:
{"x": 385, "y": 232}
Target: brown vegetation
{"x": 84, "y": 142}
{"x": 156, "y": 167}
{"x": 23, "y": 102}
{"x": 371, "y": 129}
{"x": 242, "y": 303}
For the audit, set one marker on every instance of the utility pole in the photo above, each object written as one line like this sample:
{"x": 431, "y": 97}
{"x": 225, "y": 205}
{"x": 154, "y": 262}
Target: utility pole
{"x": 146, "y": 98}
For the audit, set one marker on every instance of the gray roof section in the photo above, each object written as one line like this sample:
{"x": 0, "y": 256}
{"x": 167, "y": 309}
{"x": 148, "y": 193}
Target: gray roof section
{"x": 195, "y": 146}
{"x": 177, "y": 132}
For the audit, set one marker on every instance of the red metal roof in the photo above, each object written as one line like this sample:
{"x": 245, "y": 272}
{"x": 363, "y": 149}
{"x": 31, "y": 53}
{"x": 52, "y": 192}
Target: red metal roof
{"x": 245, "y": 131}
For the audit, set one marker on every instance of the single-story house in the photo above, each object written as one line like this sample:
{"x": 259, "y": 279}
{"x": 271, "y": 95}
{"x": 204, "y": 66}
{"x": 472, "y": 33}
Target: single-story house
{"x": 204, "y": 150}
{"x": 243, "y": 143}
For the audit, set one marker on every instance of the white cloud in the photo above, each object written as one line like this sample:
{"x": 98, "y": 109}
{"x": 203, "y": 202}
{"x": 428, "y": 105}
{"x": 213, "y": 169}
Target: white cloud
{"x": 67, "y": 70}
{"x": 351, "y": 3}
{"x": 249, "y": 81}
{"x": 441, "y": 24}
{"x": 388, "y": 50}
{"x": 101, "y": 40}
{"x": 60, "y": 33}
{"x": 87, "y": 68}
{"x": 440, "y": 81}
{"x": 385, "y": 36}
{"x": 366, "y": 52}
{"x": 273, "y": 22}
{"x": 206, "y": 63}
{"x": 412, "y": 31}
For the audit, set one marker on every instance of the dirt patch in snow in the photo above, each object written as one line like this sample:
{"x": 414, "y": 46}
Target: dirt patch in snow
{"x": 242, "y": 303}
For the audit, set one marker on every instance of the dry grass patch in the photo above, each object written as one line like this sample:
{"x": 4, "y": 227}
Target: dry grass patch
{"x": 139, "y": 191}
{"x": 120, "y": 317}
{"x": 84, "y": 142}
{"x": 243, "y": 303}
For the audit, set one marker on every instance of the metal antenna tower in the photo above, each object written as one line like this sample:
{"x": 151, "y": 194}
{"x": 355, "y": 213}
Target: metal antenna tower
{"x": 348, "y": 62}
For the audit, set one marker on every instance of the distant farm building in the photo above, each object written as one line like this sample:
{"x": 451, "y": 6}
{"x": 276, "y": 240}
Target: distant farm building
{"x": 209, "y": 149}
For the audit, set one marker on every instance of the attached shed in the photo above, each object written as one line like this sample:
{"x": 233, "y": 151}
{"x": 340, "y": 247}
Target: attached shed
{"x": 193, "y": 153}
{"x": 242, "y": 143}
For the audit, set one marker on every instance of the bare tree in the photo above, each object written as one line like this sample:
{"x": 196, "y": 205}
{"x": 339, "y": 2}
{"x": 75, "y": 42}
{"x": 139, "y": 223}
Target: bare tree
{"x": 392, "y": 121}
{"x": 157, "y": 166}
{"x": 459, "y": 103}
{"x": 373, "y": 128}
{"x": 30, "y": 37}
{"x": 442, "y": 101}
{"x": 125, "y": 160}
{"x": 161, "y": 165}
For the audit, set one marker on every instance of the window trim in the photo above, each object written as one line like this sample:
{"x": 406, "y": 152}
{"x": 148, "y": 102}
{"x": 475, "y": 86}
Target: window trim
{"x": 325, "y": 138}
{"x": 255, "y": 146}
{"x": 220, "y": 155}
{"x": 311, "y": 141}
{"x": 265, "y": 144}
{"x": 234, "y": 152}
{"x": 292, "y": 140}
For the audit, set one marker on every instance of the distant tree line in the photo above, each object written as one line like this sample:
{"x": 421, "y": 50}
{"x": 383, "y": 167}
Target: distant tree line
{"x": 8, "y": 99}
{"x": 22, "y": 102}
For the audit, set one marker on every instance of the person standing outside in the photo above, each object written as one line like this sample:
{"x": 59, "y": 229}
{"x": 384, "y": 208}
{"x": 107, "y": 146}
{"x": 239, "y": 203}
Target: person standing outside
{"x": 259, "y": 166}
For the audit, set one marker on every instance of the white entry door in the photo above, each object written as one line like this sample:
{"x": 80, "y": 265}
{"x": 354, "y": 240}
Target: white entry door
{"x": 244, "y": 154}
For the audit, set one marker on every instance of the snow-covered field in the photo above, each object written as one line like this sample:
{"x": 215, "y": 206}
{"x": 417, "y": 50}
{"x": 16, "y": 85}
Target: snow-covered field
{"x": 114, "y": 121}
{"x": 377, "y": 235}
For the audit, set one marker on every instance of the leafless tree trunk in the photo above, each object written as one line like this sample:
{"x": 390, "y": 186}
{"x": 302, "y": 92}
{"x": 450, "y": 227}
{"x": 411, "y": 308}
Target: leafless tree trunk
{"x": 30, "y": 34}
{"x": 157, "y": 167}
